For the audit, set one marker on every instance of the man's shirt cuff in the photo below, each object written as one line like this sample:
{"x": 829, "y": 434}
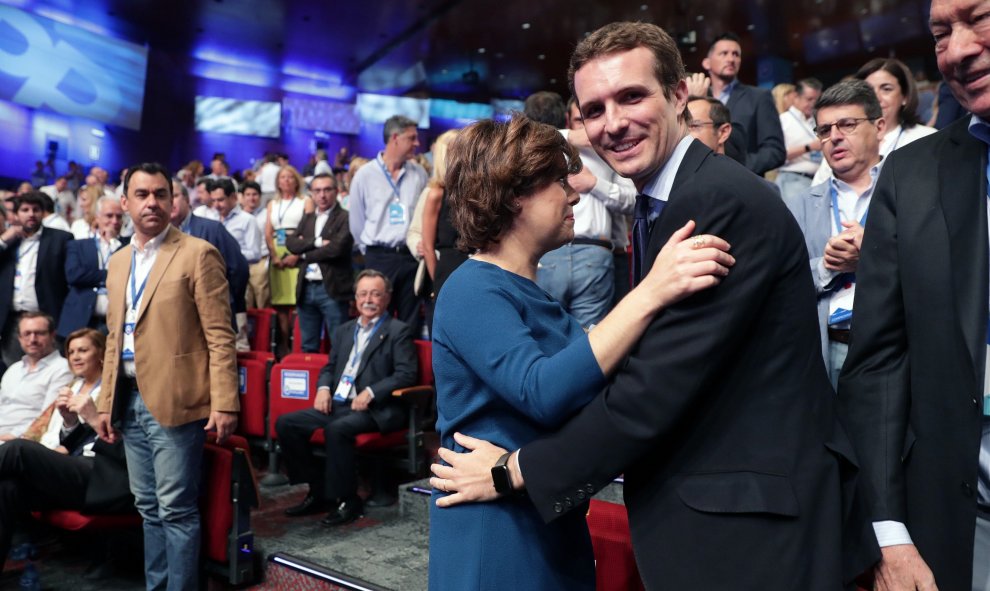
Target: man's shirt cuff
{"x": 891, "y": 533}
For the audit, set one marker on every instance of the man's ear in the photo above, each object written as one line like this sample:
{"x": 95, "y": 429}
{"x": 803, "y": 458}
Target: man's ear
{"x": 724, "y": 131}
{"x": 706, "y": 64}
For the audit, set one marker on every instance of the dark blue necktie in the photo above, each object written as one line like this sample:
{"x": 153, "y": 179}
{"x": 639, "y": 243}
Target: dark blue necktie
{"x": 646, "y": 212}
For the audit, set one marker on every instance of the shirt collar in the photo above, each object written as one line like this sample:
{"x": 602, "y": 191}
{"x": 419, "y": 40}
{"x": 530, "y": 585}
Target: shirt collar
{"x": 979, "y": 129}
{"x": 371, "y": 322}
{"x": 43, "y": 362}
{"x": 153, "y": 244}
{"x": 233, "y": 213}
{"x": 843, "y": 187}
{"x": 727, "y": 91}
{"x": 797, "y": 113}
{"x": 659, "y": 187}
{"x": 328, "y": 211}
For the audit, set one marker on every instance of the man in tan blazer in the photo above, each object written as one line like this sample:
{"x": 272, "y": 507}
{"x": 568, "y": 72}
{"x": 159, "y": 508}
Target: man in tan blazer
{"x": 169, "y": 374}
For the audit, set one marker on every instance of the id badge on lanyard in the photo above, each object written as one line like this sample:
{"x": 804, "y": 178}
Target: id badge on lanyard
{"x": 344, "y": 388}
{"x": 131, "y": 316}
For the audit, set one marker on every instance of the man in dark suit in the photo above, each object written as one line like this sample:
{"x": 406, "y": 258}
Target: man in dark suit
{"x": 914, "y": 391}
{"x": 369, "y": 358}
{"x": 323, "y": 242}
{"x": 752, "y": 108}
{"x": 722, "y": 418}
{"x": 214, "y": 233}
{"x": 86, "y": 271}
{"x": 33, "y": 478}
{"x": 32, "y": 277}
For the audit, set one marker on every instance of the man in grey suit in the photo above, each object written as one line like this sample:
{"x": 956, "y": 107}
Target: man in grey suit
{"x": 369, "y": 358}
{"x": 914, "y": 391}
{"x": 849, "y": 122}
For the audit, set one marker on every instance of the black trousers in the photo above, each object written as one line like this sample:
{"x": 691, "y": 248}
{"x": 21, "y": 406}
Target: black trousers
{"x": 400, "y": 268}
{"x": 336, "y": 477}
{"x": 33, "y": 477}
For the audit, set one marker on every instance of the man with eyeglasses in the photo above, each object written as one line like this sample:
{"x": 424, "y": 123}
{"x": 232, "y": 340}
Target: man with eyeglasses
{"x": 832, "y": 214}
{"x": 711, "y": 123}
{"x": 915, "y": 393}
{"x": 323, "y": 242}
{"x": 86, "y": 271}
{"x": 369, "y": 358}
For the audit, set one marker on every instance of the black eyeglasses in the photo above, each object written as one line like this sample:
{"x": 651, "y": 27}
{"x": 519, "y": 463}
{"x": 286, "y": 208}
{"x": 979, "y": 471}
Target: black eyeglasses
{"x": 700, "y": 124}
{"x": 846, "y": 126}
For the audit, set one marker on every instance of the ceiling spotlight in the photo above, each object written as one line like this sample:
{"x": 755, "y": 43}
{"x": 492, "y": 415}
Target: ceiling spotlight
{"x": 481, "y": 50}
{"x": 699, "y": 18}
{"x": 643, "y": 7}
{"x": 750, "y": 27}
{"x": 541, "y": 57}
{"x": 553, "y": 81}
{"x": 525, "y": 26}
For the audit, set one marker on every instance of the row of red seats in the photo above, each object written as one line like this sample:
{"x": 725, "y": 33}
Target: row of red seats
{"x": 228, "y": 493}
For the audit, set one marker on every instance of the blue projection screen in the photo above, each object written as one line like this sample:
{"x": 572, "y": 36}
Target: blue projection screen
{"x": 50, "y": 65}
{"x": 227, "y": 115}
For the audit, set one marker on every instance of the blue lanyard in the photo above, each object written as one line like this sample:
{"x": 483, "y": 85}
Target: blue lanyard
{"x": 99, "y": 252}
{"x": 135, "y": 292}
{"x": 357, "y": 352}
{"x": 30, "y": 247}
{"x": 837, "y": 215}
{"x": 388, "y": 177}
{"x": 804, "y": 125}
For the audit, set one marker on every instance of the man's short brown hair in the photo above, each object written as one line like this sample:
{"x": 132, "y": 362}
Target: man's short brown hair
{"x": 490, "y": 165}
{"x": 625, "y": 36}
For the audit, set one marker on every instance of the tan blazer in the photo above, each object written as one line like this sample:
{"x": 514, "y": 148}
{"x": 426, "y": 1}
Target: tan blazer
{"x": 186, "y": 363}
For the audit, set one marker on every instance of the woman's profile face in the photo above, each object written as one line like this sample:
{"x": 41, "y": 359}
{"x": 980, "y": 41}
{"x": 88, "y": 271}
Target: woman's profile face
{"x": 890, "y": 94}
{"x": 84, "y": 357}
{"x": 546, "y": 216}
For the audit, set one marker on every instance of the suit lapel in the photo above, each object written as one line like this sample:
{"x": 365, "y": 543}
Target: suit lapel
{"x": 963, "y": 195}
{"x": 166, "y": 253}
{"x": 819, "y": 216}
{"x": 695, "y": 155}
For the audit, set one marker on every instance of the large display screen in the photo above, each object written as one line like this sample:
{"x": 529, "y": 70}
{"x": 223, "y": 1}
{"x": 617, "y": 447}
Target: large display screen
{"x": 58, "y": 67}
{"x": 226, "y": 115}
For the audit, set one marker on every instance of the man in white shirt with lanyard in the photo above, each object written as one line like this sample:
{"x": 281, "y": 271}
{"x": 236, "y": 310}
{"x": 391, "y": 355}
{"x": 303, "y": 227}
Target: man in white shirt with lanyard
{"x": 832, "y": 214}
{"x": 369, "y": 358}
{"x": 803, "y": 146}
{"x": 382, "y": 199}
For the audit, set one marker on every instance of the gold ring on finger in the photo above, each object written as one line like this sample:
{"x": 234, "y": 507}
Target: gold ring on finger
{"x": 699, "y": 242}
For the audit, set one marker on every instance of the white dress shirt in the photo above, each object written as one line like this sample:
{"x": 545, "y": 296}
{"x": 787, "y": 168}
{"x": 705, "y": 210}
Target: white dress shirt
{"x": 56, "y": 426}
{"x": 25, "y": 296}
{"x": 144, "y": 261}
{"x": 611, "y": 193}
{"x": 244, "y": 228}
{"x": 25, "y": 392}
{"x": 313, "y": 272}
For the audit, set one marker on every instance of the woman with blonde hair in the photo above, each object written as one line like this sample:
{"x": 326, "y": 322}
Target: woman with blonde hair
{"x": 439, "y": 236}
{"x": 783, "y": 96}
{"x": 86, "y": 204}
{"x": 284, "y": 214}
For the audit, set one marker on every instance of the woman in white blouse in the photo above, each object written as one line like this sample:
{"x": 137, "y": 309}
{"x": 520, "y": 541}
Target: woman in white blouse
{"x": 895, "y": 88}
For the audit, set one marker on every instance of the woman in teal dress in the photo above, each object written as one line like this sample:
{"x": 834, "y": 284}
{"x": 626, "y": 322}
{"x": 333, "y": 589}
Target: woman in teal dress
{"x": 511, "y": 365}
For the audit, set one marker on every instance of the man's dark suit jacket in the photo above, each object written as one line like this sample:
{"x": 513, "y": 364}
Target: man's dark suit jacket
{"x": 388, "y": 362}
{"x": 108, "y": 489}
{"x": 334, "y": 257}
{"x": 911, "y": 389}
{"x": 49, "y": 282}
{"x": 237, "y": 266}
{"x": 85, "y": 277}
{"x": 752, "y": 108}
{"x": 722, "y": 417}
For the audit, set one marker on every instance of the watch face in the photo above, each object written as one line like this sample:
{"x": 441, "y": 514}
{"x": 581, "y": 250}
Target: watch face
{"x": 500, "y": 478}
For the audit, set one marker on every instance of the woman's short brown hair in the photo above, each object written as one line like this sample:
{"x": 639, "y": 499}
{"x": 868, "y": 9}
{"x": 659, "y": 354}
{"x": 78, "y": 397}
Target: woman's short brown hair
{"x": 96, "y": 337}
{"x": 490, "y": 165}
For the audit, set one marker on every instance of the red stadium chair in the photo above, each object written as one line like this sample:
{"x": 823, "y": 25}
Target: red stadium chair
{"x": 229, "y": 492}
{"x": 261, "y": 329}
{"x": 615, "y": 565}
{"x": 77, "y": 521}
{"x": 292, "y": 387}
{"x": 297, "y": 337}
{"x": 252, "y": 385}
{"x": 408, "y": 442}
{"x": 256, "y": 355}
{"x": 305, "y": 358}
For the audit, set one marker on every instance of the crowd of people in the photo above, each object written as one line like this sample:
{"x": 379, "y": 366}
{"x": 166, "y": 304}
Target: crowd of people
{"x": 657, "y": 277}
